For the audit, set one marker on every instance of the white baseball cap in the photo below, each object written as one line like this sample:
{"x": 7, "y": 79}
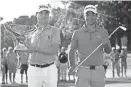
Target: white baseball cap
{"x": 92, "y": 8}
{"x": 44, "y": 7}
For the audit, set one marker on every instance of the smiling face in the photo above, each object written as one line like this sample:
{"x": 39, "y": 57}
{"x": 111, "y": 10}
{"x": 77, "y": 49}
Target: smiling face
{"x": 43, "y": 17}
{"x": 90, "y": 18}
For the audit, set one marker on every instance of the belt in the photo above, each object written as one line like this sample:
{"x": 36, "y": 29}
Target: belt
{"x": 42, "y": 66}
{"x": 92, "y": 67}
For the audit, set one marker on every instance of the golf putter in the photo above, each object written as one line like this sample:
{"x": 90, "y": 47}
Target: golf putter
{"x": 120, "y": 27}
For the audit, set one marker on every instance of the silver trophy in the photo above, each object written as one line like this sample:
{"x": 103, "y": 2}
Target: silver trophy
{"x": 20, "y": 33}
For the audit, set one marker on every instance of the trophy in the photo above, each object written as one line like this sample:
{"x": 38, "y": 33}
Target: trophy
{"x": 19, "y": 31}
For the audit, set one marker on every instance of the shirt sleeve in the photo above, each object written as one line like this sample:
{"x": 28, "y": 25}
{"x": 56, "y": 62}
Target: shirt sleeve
{"x": 74, "y": 46}
{"x": 74, "y": 41}
{"x": 107, "y": 47}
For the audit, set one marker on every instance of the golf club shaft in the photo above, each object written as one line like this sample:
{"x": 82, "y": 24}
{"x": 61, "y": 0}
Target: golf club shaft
{"x": 94, "y": 51}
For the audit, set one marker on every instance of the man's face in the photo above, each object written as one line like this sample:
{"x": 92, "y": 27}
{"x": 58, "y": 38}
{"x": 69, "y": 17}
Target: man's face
{"x": 90, "y": 18}
{"x": 43, "y": 17}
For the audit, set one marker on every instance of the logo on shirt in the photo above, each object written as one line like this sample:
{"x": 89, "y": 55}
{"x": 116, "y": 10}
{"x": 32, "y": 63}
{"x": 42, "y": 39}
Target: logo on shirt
{"x": 48, "y": 37}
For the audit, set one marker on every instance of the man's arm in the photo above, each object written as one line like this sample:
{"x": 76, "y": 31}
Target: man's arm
{"x": 106, "y": 42}
{"x": 74, "y": 46}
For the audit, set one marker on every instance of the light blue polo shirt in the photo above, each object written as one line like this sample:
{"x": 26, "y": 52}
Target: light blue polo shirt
{"x": 85, "y": 42}
{"x": 44, "y": 40}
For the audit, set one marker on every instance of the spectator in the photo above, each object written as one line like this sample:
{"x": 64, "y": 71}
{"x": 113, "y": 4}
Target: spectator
{"x": 115, "y": 62}
{"x": 123, "y": 57}
{"x": 12, "y": 63}
{"x": 23, "y": 62}
{"x": 4, "y": 66}
{"x": 63, "y": 57}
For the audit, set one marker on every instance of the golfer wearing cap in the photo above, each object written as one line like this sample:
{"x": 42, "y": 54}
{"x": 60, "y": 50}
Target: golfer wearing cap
{"x": 43, "y": 49}
{"x": 91, "y": 73}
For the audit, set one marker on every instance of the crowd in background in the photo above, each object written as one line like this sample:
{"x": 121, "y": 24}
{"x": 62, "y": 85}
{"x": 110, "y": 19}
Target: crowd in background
{"x": 118, "y": 61}
{"x": 13, "y": 60}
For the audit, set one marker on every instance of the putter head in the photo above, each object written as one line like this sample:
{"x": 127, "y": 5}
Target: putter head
{"x": 123, "y": 28}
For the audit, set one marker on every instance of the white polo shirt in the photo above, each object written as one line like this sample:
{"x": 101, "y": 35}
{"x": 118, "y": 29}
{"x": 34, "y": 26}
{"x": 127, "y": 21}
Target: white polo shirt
{"x": 44, "y": 39}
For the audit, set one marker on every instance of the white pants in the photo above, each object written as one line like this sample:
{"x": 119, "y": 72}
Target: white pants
{"x": 37, "y": 77}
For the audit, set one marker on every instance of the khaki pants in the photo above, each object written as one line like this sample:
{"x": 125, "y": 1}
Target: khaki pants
{"x": 90, "y": 77}
{"x": 37, "y": 77}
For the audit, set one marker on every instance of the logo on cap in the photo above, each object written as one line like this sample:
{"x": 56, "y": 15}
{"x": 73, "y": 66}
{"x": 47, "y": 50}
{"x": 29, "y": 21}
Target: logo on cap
{"x": 44, "y": 7}
{"x": 92, "y": 8}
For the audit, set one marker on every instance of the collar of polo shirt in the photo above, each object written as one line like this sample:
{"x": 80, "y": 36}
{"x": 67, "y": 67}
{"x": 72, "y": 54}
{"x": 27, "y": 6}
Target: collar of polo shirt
{"x": 86, "y": 30}
{"x": 44, "y": 28}
{"x": 40, "y": 30}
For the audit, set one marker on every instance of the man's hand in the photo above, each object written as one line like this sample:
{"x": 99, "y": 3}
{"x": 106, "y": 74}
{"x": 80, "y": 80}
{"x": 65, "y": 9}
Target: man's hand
{"x": 106, "y": 44}
{"x": 70, "y": 72}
